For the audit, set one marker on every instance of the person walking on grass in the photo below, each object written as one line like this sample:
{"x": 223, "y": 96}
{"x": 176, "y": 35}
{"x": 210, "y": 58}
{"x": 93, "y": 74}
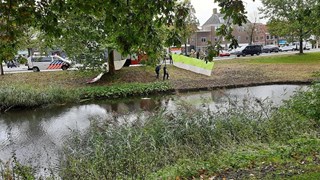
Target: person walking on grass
{"x": 158, "y": 70}
{"x": 165, "y": 73}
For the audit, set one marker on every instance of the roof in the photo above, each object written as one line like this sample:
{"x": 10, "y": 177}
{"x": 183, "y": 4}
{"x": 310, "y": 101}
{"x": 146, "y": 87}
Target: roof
{"x": 214, "y": 19}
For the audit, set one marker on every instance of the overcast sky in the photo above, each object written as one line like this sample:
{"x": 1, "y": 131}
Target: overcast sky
{"x": 204, "y": 9}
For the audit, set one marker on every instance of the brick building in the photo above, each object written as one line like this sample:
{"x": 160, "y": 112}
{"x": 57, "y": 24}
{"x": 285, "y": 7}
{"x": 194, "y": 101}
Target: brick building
{"x": 255, "y": 32}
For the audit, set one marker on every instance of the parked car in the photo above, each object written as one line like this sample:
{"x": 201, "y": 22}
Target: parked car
{"x": 287, "y": 48}
{"x": 249, "y": 49}
{"x": 37, "y": 63}
{"x": 270, "y": 49}
{"x": 224, "y": 53}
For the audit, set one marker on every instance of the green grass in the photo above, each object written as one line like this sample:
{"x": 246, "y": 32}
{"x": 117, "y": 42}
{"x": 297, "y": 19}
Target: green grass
{"x": 193, "y": 61}
{"x": 307, "y": 176}
{"x": 307, "y": 58}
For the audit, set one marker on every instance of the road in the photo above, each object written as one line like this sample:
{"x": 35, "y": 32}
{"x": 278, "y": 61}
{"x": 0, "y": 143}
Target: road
{"x": 266, "y": 54}
{"x": 24, "y": 69}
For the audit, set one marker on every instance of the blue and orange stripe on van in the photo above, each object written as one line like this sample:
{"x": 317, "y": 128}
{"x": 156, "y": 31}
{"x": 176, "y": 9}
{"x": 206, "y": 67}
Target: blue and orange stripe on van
{"x": 56, "y": 64}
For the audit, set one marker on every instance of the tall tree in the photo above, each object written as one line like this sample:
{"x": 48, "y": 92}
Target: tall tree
{"x": 186, "y": 26}
{"x": 297, "y": 16}
{"x": 125, "y": 25}
{"x": 15, "y": 17}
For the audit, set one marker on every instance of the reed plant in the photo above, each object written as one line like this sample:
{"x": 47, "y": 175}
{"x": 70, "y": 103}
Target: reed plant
{"x": 124, "y": 90}
{"x": 193, "y": 141}
{"x": 24, "y": 96}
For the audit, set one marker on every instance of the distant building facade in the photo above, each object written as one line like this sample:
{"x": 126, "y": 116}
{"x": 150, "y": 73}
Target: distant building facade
{"x": 257, "y": 33}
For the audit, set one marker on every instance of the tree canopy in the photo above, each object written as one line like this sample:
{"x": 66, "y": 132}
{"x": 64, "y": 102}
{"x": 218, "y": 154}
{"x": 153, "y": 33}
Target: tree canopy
{"x": 292, "y": 18}
{"x": 15, "y": 18}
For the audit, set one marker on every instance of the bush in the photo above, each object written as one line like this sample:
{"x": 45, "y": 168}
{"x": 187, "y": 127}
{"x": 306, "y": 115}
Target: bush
{"x": 26, "y": 96}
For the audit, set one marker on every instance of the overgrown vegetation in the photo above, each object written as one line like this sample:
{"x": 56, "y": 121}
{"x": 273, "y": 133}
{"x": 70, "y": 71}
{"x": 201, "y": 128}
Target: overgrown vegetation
{"x": 190, "y": 142}
{"x": 124, "y": 90}
{"x": 25, "y": 96}
{"x": 258, "y": 141}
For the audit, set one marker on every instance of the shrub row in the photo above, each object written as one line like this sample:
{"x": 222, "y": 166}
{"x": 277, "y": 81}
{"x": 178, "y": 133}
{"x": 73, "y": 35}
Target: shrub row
{"x": 26, "y": 97}
{"x": 29, "y": 97}
{"x": 124, "y": 90}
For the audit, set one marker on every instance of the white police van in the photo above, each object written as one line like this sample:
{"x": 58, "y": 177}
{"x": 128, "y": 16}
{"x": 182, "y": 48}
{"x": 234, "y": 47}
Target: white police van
{"x": 37, "y": 63}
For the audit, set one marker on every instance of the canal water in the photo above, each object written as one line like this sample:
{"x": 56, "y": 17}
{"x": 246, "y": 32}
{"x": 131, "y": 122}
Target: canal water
{"x": 37, "y": 136}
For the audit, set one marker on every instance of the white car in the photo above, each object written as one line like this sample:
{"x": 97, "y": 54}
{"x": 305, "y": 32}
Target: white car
{"x": 287, "y": 48}
{"x": 37, "y": 63}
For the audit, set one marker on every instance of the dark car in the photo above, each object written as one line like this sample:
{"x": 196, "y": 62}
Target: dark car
{"x": 270, "y": 49}
{"x": 250, "y": 49}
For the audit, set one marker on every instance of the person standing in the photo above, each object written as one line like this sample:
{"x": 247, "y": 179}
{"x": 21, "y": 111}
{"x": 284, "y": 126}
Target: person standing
{"x": 158, "y": 70}
{"x": 165, "y": 73}
{"x": 170, "y": 59}
{"x": 198, "y": 54}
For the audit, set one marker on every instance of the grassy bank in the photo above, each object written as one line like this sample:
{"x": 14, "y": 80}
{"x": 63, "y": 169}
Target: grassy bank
{"x": 13, "y": 97}
{"x": 240, "y": 143}
{"x": 35, "y": 89}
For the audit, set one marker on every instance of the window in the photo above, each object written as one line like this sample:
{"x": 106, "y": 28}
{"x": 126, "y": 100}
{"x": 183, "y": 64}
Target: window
{"x": 41, "y": 59}
{"x": 268, "y": 37}
{"x": 261, "y": 38}
{"x": 46, "y": 59}
{"x": 203, "y": 39}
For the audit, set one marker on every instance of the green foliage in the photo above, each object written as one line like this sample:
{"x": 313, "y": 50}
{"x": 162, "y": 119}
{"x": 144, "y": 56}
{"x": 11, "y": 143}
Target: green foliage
{"x": 15, "y": 170}
{"x": 235, "y": 13}
{"x": 26, "y": 96}
{"x": 292, "y": 18}
{"x": 213, "y": 51}
{"x": 15, "y": 18}
{"x": 124, "y": 90}
{"x": 307, "y": 104}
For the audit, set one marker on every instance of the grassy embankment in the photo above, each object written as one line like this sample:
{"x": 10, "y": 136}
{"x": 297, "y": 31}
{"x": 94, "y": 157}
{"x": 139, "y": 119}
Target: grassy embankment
{"x": 197, "y": 143}
{"x": 36, "y": 89}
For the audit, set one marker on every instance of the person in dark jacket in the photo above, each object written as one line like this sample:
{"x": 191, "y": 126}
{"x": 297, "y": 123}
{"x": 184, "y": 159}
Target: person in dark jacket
{"x": 198, "y": 54}
{"x": 158, "y": 70}
{"x": 170, "y": 59}
{"x": 165, "y": 73}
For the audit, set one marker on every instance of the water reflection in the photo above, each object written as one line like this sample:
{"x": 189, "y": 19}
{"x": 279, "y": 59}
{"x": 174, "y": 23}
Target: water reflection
{"x": 39, "y": 134}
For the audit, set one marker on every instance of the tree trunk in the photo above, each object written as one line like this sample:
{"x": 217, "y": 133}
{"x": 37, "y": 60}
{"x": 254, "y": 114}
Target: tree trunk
{"x": 30, "y": 53}
{"x": 111, "y": 62}
{"x": 301, "y": 45}
{"x": 185, "y": 49}
{"x": 1, "y": 68}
